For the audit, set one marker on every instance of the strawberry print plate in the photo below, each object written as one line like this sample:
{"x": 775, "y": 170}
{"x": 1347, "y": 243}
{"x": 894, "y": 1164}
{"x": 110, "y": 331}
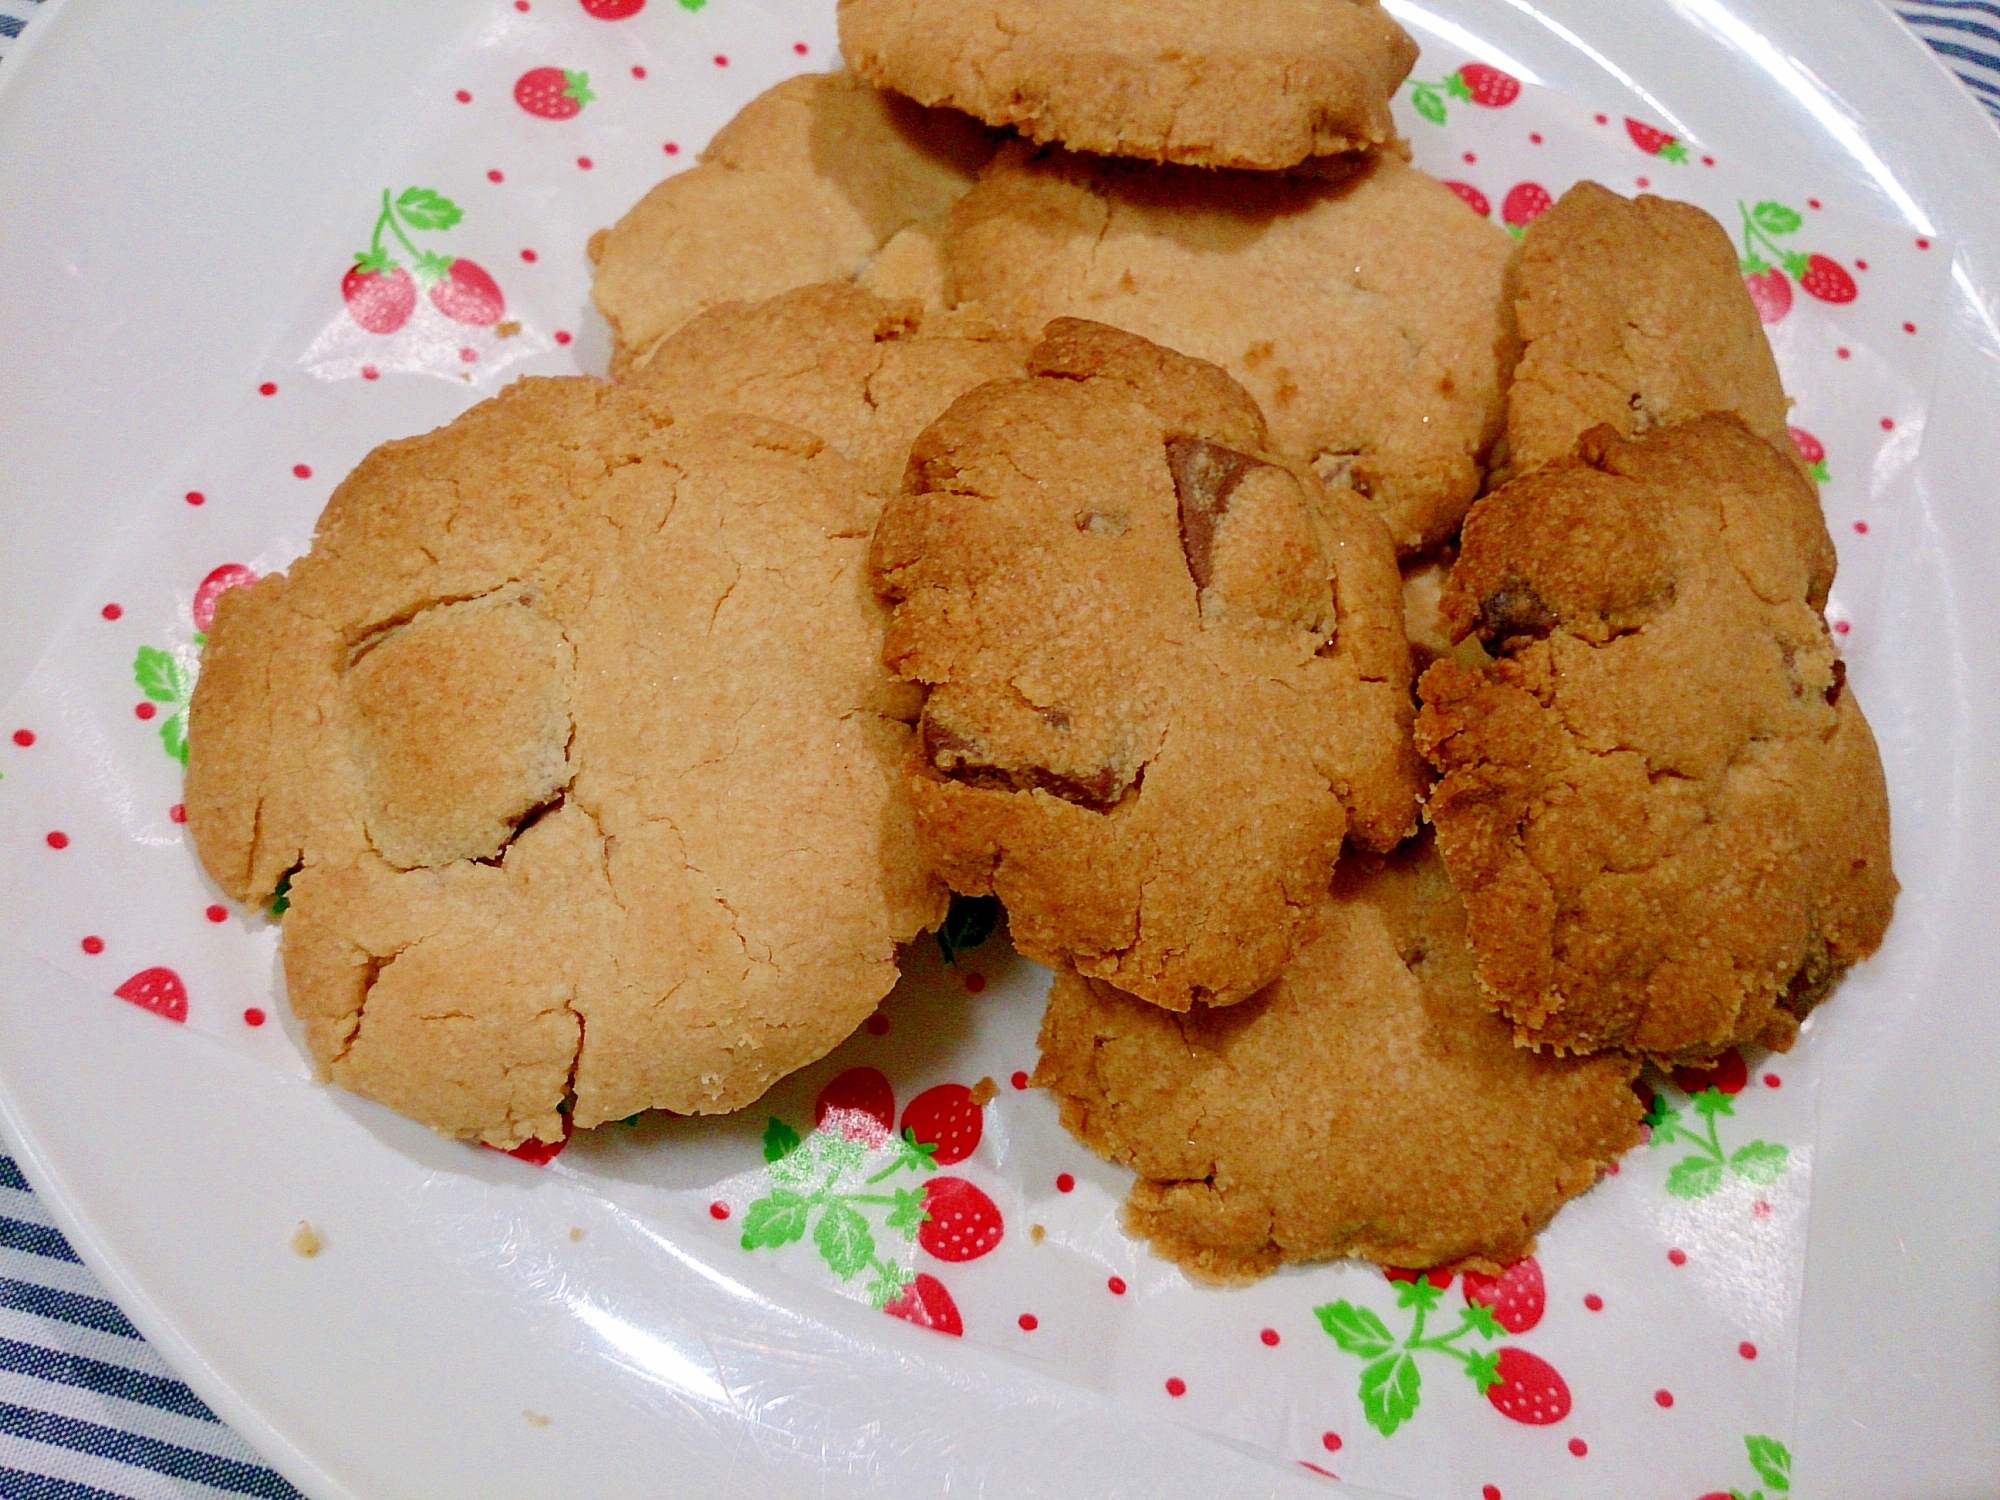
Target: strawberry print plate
{"x": 266, "y": 241}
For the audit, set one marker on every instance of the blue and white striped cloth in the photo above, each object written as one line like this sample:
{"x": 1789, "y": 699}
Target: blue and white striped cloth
{"x": 89, "y": 1412}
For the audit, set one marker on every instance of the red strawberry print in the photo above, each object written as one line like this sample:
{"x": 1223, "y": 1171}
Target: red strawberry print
{"x": 1655, "y": 142}
{"x": 1812, "y": 451}
{"x": 467, "y": 294}
{"x": 380, "y": 301}
{"x": 1525, "y": 202}
{"x": 1728, "y": 1072}
{"x": 1771, "y": 291}
{"x": 613, "y": 10}
{"x": 219, "y": 582}
{"x": 926, "y": 1303}
{"x": 1437, "y": 1276}
{"x": 1827, "y": 280}
{"x": 539, "y": 1153}
{"x": 964, "y": 1224}
{"x": 552, "y": 93}
{"x": 1474, "y": 199}
{"x": 861, "y": 1105}
{"x": 1529, "y": 1389}
{"x": 1489, "y": 86}
{"x": 1516, "y": 1297}
{"x": 157, "y": 990}
{"x": 946, "y": 1117}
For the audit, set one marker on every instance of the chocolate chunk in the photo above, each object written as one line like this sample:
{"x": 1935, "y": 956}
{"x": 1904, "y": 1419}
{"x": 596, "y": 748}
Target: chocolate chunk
{"x": 1514, "y": 610}
{"x": 1839, "y": 681}
{"x": 1205, "y": 476}
{"x": 956, "y": 757}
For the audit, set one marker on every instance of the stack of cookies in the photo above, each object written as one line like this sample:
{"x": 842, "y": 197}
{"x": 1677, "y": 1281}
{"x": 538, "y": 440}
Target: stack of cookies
{"x": 1039, "y": 463}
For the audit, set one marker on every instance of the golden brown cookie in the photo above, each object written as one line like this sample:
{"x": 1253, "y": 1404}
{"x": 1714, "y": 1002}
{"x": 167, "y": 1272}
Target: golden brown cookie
{"x": 1633, "y": 315}
{"x": 572, "y": 737}
{"x": 814, "y": 180}
{"x": 1663, "y": 806}
{"x": 1166, "y": 674}
{"x": 1199, "y": 82}
{"x": 1368, "y": 1103}
{"x": 866, "y": 374}
{"x": 1371, "y": 315}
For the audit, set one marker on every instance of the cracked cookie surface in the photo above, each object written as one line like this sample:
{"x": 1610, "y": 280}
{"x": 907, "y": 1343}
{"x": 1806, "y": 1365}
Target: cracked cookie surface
{"x": 1633, "y": 315}
{"x": 1199, "y": 82}
{"x": 1663, "y": 805}
{"x": 1369, "y": 314}
{"x": 821, "y": 178}
{"x": 1166, "y": 674}
{"x": 571, "y": 734}
{"x": 1368, "y": 1103}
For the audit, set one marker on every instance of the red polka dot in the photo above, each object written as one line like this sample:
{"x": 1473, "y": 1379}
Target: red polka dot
{"x": 470, "y": 356}
{"x": 1176, "y": 1386}
{"x": 1489, "y": 1492}
{"x": 1600, "y": 119}
{"x": 369, "y": 372}
{"x": 1840, "y": 627}
{"x": 1663, "y": 1398}
{"x": 1594, "y": 1302}
{"x": 302, "y": 471}
{"x": 521, "y": 5}
{"x": 463, "y": 97}
{"x": 93, "y": 944}
{"x": 1019, "y": 1080}
{"x": 1888, "y": 424}
{"x": 112, "y": 611}
{"x": 1065, "y": 1183}
{"x": 1909, "y": 328}
{"x": 877, "y": 1025}
{"x": 562, "y": 335}
{"x": 144, "y": 710}
{"x": 721, "y": 61}
{"x": 1578, "y": 1446}
{"x": 1270, "y": 1338}
{"x": 1845, "y": 353}
{"x": 1708, "y": 161}
{"x": 1677, "y": 1257}
{"x": 1611, "y": 1169}
{"x": 975, "y": 982}
{"x": 1772, "y": 1081}
{"x": 1645, "y": 182}
{"x": 1330, "y": 1441}
{"x": 1861, "y": 265}
{"x": 1923, "y": 244}
{"x": 1747, "y": 1349}
{"x": 24, "y": 737}
{"x": 1029, "y": 1322}
{"x": 671, "y": 149}
{"x": 800, "y": 48}
{"x": 638, "y": 72}
{"x": 1117, "y": 1285}
{"x": 195, "y": 497}
{"x": 1812, "y": 203}
{"x": 1862, "y": 527}
{"x": 584, "y": 162}
{"x": 58, "y": 840}
{"x": 1535, "y": 137}
{"x": 1470, "y": 159}
{"x": 718, "y": 1210}
{"x": 217, "y": 914}
{"x": 1760, "y": 1210}
{"x": 494, "y": 174}
{"x": 268, "y": 388}
{"x": 529, "y": 256}
{"x": 253, "y": 1017}
{"x": 178, "y": 813}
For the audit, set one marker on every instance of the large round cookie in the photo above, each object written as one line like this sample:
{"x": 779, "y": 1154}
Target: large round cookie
{"x": 1166, "y": 674}
{"x": 865, "y": 373}
{"x": 1663, "y": 806}
{"x": 572, "y": 736}
{"x": 1201, "y": 82}
{"x": 821, "y": 178}
{"x": 1371, "y": 316}
{"x": 1368, "y": 1103}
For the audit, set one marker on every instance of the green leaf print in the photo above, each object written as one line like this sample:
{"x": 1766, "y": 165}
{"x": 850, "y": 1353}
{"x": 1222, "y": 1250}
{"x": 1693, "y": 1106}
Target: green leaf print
{"x": 1775, "y": 218}
{"x": 1760, "y": 1162}
{"x": 909, "y": 1214}
{"x": 1428, "y": 104}
{"x": 780, "y": 1140}
{"x": 844, "y": 1240}
{"x": 159, "y": 676}
{"x": 968, "y": 923}
{"x": 1356, "y": 1329}
{"x": 1694, "y": 1177}
{"x": 1772, "y": 1460}
{"x": 173, "y": 735}
{"x": 1390, "y": 1390}
{"x": 776, "y": 1220}
{"x": 423, "y": 209}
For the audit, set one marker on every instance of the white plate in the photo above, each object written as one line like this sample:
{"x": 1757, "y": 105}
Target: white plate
{"x": 159, "y": 186}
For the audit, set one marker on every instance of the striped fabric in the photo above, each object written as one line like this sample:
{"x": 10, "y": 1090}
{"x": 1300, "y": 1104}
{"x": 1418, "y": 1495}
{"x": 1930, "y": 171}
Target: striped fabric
{"x": 89, "y": 1412}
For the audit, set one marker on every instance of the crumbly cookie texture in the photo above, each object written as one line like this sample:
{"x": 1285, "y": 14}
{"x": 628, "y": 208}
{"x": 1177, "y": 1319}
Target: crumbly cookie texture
{"x": 1633, "y": 315}
{"x": 1200, "y": 82}
{"x": 572, "y": 735}
{"x": 814, "y": 180}
{"x": 1368, "y": 1103}
{"x": 867, "y": 374}
{"x": 1166, "y": 673}
{"x": 1664, "y": 807}
{"x": 1370, "y": 313}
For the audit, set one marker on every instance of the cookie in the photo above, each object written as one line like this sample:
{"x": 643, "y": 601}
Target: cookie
{"x": 1633, "y": 315}
{"x": 1371, "y": 316}
{"x": 1166, "y": 673}
{"x": 1662, "y": 803}
{"x": 1198, "y": 82}
{"x": 571, "y": 738}
{"x": 814, "y": 180}
{"x": 1367, "y": 1104}
{"x": 866, "y": 374}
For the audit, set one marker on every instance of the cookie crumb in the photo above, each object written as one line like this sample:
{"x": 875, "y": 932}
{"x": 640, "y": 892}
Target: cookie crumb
{"x": 535, "y": 1418}
{"x": 305, "y": 1241}
{"x": 594, "y": 246}
{"x": 575, "y": 1235}
{"x": 1036, "y": 1232}
{"x": 983, "y": 1092}
{"x": 507, "y": 329}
